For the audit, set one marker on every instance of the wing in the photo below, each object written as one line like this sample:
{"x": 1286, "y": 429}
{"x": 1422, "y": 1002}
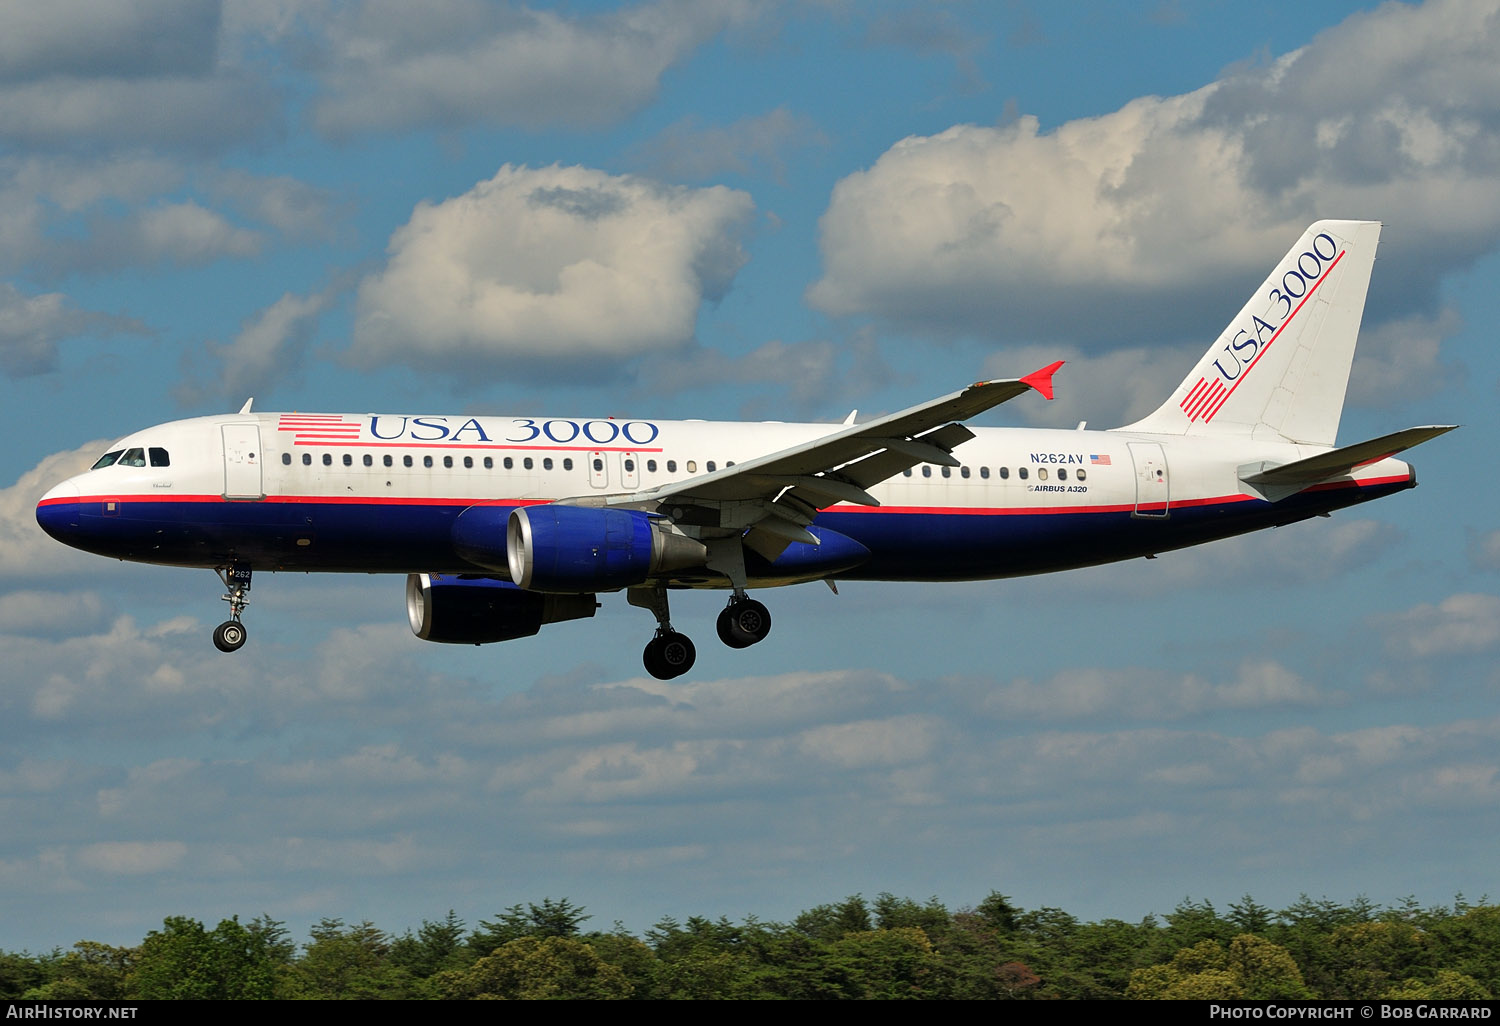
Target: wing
{"x": 776, "y": 496}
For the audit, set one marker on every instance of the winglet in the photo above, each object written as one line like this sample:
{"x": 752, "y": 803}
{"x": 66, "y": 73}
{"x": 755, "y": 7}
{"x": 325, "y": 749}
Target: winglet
{"x": 1042, "y": 380}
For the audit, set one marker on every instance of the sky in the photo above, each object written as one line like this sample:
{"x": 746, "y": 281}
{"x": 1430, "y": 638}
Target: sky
{"x": 757, "y": 210}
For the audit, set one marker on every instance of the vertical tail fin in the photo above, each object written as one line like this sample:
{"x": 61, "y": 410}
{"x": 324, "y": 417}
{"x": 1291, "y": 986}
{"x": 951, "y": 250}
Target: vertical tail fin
{"x": 1279, "y": 371}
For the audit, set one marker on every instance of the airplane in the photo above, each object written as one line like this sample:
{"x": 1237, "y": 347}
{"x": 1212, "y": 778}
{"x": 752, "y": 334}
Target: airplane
{"x": 506, "y": 524}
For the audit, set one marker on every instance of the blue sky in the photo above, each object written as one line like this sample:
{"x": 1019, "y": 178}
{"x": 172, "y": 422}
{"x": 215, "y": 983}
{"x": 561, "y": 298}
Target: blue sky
{"x": 752, "y": 210}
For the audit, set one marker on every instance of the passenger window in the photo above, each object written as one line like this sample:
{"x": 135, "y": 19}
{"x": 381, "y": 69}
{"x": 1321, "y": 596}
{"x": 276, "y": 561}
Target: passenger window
{"x": 307, "y": 459}
{"x": 369, "y": 460}
{"x": 671, "y": 466}
{"x": 1021, "y": 473}
{"x": 692, "y": 466}
{"x": 906, "y": 472}
{"x": 427, "y": 462}
{"x": 527, "y": 463}
{"x": 406, "y": 461}
{"x": 963, "y": 471}
{"x": 711, "y": 467}
{"x": 109, "y": 459}
{"x": 546, "y": 462}
{"x": 651, "y": 466}
{"x": 1062, "y": 473}
{"x": 489, "y": 463}
{"x": 984, "y": 472}
{"x": 387, "y": 459}
{"x": 286, "y": 459}
{"x": 468, "y": 463}
{"x": 926, "y": 470}
{"x": 598, "y": 464}
{"x": 159, "y": 457}
{"x": 328, "y": 459}
{"x": 1004, "y": 473}
{"x": 947, "y": 471}
{"x": 348, "y": 460}
{"x": 728, "y": 464}
{"x": 630, "y": 466}
{"x": 1041, "y": 474}
{"x": 1081, "y": 476}
{"x": 567, "y": 464}
{"x": 448, "y": 462}
{"x": 133, "y": 458}
{"x": 510, "y": 464}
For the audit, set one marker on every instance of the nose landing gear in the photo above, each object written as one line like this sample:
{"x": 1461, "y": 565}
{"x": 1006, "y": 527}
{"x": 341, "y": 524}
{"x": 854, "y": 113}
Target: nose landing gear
{"x": 229, "y": 636}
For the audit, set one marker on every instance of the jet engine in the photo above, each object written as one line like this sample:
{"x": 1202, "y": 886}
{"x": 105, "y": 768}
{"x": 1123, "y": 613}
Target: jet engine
{"x": 570, "y": 549}
{"x": 480, "y": 610}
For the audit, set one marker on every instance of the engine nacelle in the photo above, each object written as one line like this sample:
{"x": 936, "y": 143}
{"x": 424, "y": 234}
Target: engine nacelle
{"x": 480, "y": 610}
{"x": 571, "y": 549}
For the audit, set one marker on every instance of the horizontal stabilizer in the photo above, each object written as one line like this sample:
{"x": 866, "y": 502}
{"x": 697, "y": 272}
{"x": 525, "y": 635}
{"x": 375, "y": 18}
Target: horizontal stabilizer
{"x": 1338, "y": 462}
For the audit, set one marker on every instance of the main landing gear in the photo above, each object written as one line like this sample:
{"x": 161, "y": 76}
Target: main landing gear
{"x": 743, "y": 622}
{"x": 670, "y": 654}
{"x": 230, "y": 635}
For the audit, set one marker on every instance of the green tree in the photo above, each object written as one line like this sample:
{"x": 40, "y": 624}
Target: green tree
{"x": 91, "y": 971}
{"x": 537, "y": 968}
{"x": 436, "y": 946}
{"x": 233, "y": 962}
{"x": 349, "y": 963}
{"x": 551, "y": 918}
{"x": 830, "y": 922}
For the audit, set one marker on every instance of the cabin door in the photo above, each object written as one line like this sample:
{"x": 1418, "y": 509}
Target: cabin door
{"x": 242, "y": 460}
{"x": 1153, "y": 489}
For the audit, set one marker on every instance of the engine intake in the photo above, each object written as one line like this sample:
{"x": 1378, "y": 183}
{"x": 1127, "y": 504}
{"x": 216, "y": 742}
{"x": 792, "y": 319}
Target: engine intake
{"x": 481, "y": 610}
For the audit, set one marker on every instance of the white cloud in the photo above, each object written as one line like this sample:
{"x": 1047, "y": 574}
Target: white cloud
{"x": 295, "y": 209}
{"x": 1484, "y": 550}
{"x": 131, "y": 857}
{"x": 48, "y": 612}
{"x": 1458, "y": 625}
{"x": 811, "y": 377}
{"x": 1398, "y": 361}
{"x": 1133, "y": 227}
{"x": 32, "y": 326}
{"x": 24, "y": 549}
{"x": 688, "y": 150}
{"x": 550, "y": 265}
{"x": 269, "y": 349}
{"x": 1139, "y": 693}
{"x": 100, "y": 37}
{"x": 393, "y": 65}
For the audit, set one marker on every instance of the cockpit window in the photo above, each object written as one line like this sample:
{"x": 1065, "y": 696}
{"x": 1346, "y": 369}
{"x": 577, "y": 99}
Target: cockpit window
{"x": 159, "y": 457}
{"x": 109, "y": 459}
{"x": 133, "y": 458}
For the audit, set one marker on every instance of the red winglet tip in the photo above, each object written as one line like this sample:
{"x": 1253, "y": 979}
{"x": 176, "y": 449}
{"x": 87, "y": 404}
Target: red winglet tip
{"x": 1042, "y": 380}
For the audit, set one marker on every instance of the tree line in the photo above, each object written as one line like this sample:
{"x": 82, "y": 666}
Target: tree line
{"x": 884, "y": 948}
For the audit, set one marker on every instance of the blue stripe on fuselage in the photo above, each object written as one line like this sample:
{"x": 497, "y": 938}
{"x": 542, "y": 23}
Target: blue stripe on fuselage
{"x": 904, "y": 545}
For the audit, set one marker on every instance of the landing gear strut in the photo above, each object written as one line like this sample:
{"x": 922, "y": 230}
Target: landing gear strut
{"x": 743, "y": 622}
{"x": 230, "y": 635}
{"x": 668, "y": 654}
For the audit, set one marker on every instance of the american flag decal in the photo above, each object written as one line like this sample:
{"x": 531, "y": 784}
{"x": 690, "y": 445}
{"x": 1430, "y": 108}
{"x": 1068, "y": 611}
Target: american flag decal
{"x": 1099, "y": 461}
{"x": 318, "y": 427}
{"x": 1204, "y": 399}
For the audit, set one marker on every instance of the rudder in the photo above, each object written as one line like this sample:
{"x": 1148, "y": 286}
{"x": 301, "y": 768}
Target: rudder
{"x": 1279, "y": 371}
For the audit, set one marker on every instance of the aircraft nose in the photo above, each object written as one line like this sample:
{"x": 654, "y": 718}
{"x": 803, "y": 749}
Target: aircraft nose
{"x": 57, "y": 512}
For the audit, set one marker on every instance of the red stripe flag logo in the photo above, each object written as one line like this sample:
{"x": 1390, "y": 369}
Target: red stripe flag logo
{"x": 319, "y": 427}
